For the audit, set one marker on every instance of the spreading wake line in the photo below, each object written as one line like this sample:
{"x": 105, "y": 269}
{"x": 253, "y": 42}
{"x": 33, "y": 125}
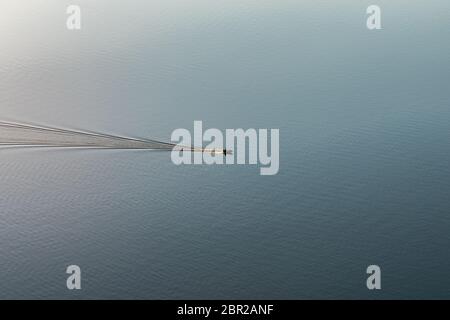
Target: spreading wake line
{"x": 16, "y": 134}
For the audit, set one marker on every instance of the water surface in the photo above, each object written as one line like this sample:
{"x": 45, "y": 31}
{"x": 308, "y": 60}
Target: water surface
{"x": 364, "y": 123}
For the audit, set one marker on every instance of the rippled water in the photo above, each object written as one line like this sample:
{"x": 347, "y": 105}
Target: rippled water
{"x": 364, "y": 123}
{"x": 26, "y": 135}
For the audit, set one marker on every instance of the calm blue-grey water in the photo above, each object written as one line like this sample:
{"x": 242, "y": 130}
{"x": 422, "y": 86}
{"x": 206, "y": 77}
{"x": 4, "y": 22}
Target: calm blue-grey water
{"x": 364, "y": 119}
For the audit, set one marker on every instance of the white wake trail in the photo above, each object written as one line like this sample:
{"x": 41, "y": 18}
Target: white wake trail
{"x": 16, "y": 134}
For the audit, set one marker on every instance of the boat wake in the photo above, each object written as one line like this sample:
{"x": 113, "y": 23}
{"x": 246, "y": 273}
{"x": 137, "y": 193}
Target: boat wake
{"x": 16, "y": 134}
